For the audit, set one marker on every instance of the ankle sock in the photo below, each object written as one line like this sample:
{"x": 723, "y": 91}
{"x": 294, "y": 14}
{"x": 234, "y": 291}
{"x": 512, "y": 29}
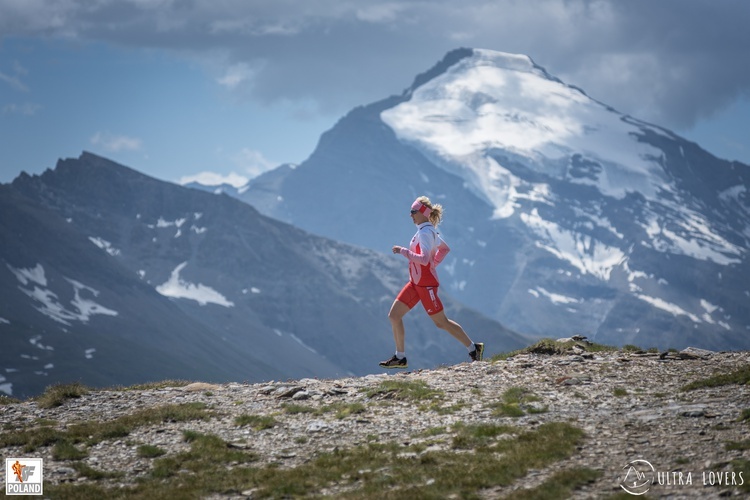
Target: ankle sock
{"x": 400, "y": 355}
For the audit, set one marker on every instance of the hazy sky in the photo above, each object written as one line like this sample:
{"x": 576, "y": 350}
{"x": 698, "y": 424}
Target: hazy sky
{"x": 174, "y": 88}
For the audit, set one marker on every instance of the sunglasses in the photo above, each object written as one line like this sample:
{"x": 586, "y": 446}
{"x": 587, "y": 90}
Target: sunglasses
{"x": 413, "y": 211}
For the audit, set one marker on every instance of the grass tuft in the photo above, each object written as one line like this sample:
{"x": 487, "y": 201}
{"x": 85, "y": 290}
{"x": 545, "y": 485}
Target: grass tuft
{"x": 92, "y": 432}
{"x": 150, "y": 451}
{"x": 342, "y": 410}
{"x": 516, "y": 402}
{"x": 56, "y": 395}
{"x": 740, "y": 376}
{"x": 742, "y": 466}
{"x": 406, "y": 390}
{"x": 737, "y": 445}
{"x": 552, "y": 347}
{"x": 257, "y": 422}
{"x": 150, "y": 386}
{"x": 8, "y": 400}
{"x": 561, "y": 485}
{"x": 495, "y": 455}
{"x": 65, "y": 450}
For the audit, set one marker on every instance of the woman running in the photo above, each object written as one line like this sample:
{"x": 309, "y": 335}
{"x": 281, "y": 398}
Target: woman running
{"x": 426, "y": 251}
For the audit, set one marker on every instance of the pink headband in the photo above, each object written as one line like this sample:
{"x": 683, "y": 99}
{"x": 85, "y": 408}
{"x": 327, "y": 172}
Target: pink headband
{"x": 422, "y": 208}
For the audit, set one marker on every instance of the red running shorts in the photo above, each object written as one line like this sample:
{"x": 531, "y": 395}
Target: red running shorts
{"x": 428, "y": 295}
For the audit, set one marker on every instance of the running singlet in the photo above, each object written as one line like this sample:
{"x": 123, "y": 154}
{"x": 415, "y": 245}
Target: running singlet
{"x": 426, "y": 250}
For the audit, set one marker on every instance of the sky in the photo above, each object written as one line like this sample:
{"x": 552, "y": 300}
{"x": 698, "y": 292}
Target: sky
{"x": 222, "y": 90}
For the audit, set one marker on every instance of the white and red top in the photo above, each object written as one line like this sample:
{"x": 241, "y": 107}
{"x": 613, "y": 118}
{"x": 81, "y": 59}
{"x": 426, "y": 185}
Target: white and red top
{"x": 426, "y": 250}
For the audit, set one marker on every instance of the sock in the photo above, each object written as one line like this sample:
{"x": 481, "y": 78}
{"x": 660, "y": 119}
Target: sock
{"x": 400, "y": 355}
{"x": 472, "y": 347}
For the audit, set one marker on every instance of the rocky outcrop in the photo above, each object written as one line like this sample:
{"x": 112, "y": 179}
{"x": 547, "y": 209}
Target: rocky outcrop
{"x": 629, "y": 405}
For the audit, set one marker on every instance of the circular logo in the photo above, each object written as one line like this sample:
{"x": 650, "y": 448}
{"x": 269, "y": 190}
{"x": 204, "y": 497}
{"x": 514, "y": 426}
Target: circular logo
{"x": 638, "y": 477}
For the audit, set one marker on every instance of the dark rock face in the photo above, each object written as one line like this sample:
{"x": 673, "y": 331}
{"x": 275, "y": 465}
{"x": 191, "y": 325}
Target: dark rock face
{"x": 110, "y": 277}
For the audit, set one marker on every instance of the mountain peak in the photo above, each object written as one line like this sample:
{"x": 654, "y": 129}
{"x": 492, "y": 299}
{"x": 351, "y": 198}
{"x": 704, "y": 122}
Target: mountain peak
{"x": 477, "y": 57}
{"x": 563, "y": 212}
{"x": 488, "y": 101}
{"x": 515, "y": 62}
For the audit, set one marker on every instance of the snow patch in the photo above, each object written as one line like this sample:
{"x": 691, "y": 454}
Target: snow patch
{"x": 35, "y": 341}
{"x": 175, "y": 287}
{"x": 583, "y": 252}
{"x": 33, "y": 275}
{"x": 104, "y": 245}
{"x": 696, "y": 239}
{"x": 49, "y": 303}
{"x": 555, "y": 298}
{"x": 299, "y": 341}
{"x": 669, "y": 307}
{"x": 497, "y": 101}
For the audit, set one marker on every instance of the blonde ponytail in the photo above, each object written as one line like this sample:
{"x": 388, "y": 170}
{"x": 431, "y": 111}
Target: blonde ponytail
{"x": 436, "y": 210}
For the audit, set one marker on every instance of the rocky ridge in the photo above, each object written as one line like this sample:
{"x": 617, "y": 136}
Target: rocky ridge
{"x": 629, "y": 404}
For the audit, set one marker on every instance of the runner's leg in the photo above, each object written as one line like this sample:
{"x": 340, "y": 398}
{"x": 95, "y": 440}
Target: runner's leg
{"x": 450, "y": 326}
{"x": 396, "y": 316}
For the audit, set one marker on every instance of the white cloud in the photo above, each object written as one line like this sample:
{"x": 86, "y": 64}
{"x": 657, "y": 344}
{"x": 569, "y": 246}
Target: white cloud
{"x": 235, "y": 75}
{"x": 14, "y": 81}
{"x": 115, "y": 143}
{"x": 215, "y": 179}
{"x": 253, "y": 162}
{"x": 25, "y": 109}
{"x": 639, "y": 56}
{"x": 378, "y": 13}
{"x": 249, "y": 162}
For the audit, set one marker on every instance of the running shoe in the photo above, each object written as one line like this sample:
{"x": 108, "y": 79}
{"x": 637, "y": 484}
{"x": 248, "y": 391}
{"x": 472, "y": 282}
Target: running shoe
{"x": 478, "y": 353}
{"x": 394, "y": 362}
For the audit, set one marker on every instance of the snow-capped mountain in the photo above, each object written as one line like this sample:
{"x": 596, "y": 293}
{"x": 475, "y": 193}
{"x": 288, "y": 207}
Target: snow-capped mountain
{"x": 110, "y": 277}
{"x": 564, "y": 215}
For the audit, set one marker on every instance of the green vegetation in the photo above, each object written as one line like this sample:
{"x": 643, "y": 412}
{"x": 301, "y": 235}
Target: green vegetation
{"x": 93, "y": 432}
{"x": 740, "y": 376}
{"x": 553, "y": 347}
{"x": 434, "y": 431}
{"x": 619, "y": 392}
{"x": 257, "y": 422}
{"x": 342, "y": 410}
{"x": 7, "y": 400}
{"x": 65, "y": 450}
{"x": 406, "y": 390}
{"x": 150, "y": 386}
{"x": 85, "y": 470}
{"x": 494, "y": 455}
{"x": 560, "y": 485}
{"x": 516, "y": 402}
{"x": 56, "y": 395}
{"x": 738, "y": 445}
{"x": 438, "y": 408}
{"x": 481, "y": 435}
{"x": 742, "y": 466}
{"x": 150, "y": 451}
